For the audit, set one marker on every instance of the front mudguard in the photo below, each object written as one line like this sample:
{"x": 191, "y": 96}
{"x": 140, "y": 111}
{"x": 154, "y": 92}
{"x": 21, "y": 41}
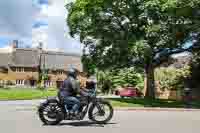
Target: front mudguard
{"x": 95, "y": 102}
{"x": 99, "y": 100}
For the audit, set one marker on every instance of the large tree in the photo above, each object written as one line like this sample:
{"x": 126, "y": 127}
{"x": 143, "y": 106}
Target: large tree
{"x": 123, "y": 33}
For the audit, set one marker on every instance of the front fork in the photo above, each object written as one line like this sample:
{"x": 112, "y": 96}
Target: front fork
{"x": 100, "y": 108}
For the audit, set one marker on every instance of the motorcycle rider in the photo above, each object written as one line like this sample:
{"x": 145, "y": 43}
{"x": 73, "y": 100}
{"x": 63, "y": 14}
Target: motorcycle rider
{"x": 69, "y": 91}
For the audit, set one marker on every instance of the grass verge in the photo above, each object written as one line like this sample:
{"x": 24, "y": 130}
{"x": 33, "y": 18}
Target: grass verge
{"x": 160, "y": 103}
{"x": 25, "y": 94}
{"x": 29, "y": 94}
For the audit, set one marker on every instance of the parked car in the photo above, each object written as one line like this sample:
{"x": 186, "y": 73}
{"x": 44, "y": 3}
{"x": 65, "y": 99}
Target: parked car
{"x": 129, "y": 92}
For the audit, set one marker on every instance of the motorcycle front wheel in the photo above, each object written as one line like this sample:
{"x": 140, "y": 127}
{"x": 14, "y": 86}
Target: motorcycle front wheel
{"x": 101, "y": 112}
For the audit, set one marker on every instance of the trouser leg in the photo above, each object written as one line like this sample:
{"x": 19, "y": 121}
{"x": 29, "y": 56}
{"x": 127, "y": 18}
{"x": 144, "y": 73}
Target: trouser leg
{"x": 74, "y": 101}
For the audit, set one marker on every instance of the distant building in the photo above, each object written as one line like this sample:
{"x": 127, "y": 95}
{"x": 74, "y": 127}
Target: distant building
{"x": 21, "y": 66}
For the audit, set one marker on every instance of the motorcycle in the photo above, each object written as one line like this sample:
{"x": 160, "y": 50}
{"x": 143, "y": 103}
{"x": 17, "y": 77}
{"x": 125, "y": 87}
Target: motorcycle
{"x": 53, "y": 110}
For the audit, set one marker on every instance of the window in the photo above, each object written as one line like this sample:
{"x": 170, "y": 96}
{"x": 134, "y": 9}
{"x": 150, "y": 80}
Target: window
{"x": 48, "y": 83}
{"x": 1, "y": 82}
{"x": 19, "y": 69}
{"x": 20, "y": 82}
{"x": 60, "y": 72}
{"x": 59, "y": 83}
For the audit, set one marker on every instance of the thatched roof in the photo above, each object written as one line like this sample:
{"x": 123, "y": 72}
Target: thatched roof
{"x": 4, "y": 60}
{"x": 25, "y": 58}
{"x": 28, "y": 57}
{"x": 61, "y": 61}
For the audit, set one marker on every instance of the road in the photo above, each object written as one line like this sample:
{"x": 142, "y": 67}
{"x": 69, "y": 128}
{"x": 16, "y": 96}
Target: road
{"x": 20, "y": 118}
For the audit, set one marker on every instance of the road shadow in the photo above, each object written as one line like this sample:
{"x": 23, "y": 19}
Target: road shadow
{"x": 84, "y": 124}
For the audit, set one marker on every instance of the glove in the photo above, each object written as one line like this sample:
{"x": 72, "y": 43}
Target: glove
{"x": 91, "y": 94}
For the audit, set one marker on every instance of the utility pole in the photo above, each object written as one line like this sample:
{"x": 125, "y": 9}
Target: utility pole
{"x": 40, "y": 63}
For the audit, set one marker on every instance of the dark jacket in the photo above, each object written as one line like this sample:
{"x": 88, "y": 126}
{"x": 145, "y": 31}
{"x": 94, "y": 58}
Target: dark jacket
{"x": 70, "y": 87}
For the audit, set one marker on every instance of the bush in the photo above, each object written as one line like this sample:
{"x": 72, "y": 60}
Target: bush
{"x": 1, "y": 86}
{"x": 9, "y": 83}
{"x": 127, "y": 77}
{"x": 110, "y": 80}
{"x": 195, "y": 71}
{"x": 40, "y": 88}
{"x": 172, "y": 78}
{"x": 52, "y": 89}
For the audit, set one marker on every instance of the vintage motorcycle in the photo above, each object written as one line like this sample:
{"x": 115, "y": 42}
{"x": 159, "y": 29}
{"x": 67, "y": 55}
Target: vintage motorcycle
{"x": 53, "y": 110}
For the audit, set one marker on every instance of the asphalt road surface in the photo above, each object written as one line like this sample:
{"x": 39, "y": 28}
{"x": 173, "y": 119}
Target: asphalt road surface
{"x": 16, "y": 118}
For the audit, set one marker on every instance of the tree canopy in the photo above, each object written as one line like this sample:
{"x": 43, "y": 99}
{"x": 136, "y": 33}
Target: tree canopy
{"x": 123, "y": 33}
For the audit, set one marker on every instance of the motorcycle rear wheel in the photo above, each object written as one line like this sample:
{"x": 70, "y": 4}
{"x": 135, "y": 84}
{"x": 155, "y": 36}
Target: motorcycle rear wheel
{"x": 47, "y": 116}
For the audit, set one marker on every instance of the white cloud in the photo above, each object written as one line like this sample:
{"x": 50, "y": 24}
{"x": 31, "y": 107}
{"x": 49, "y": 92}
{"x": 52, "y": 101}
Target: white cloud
{"x": 56, "y": 8}
{"x": 43, "y": 14}
{"x": 57, "y": 28}
{"x": 40, "y": 35}
{"x": 44, "y": 9}
{"x": 16, "y": 18}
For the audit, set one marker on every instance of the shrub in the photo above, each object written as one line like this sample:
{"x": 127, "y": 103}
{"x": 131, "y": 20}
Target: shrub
{"x": 110, "y": 80}
{"x": 127, "y": 77}
{"x": 40, "y": 88}
{"x": 9, "y": 83}
{"x": 52, "y": 89}
{"x": 172, "y": 78}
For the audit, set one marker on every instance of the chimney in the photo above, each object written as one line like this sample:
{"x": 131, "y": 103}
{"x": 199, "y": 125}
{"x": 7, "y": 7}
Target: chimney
{"x": 15, "y": 44}
{"x": 40, "y": 46}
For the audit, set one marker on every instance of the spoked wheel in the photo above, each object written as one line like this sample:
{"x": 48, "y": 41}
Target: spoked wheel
{"x": 50, "y": 114}
{"x": 101, "y": 113}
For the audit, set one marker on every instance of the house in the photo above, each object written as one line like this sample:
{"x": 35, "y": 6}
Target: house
{"x": 57, "y": 64}
{"x": 22, "y": 66}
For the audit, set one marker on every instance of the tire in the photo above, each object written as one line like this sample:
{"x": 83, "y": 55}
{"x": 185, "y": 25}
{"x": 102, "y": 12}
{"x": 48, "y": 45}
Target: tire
{"x": 58, "y": 119}
{"x": 91, "y": 117}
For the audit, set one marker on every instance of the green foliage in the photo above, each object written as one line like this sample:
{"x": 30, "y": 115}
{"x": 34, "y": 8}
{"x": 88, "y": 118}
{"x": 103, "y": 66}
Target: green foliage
{"x": 44, "y": 74}
{"x": 195, "y": 71}
{"x": 40, "y": 87}
{"x": 52, "y": 89}
{"x": 172, "y": 78}
{"x": 127, "y": 77}
{"x": 9, "y": 83}
{"x": 160, "y": 103}
{"x": 116, "y": 32}
{"x": 88, "y": 65}
{"x": 119, "y": 78}
{"x": 104, "y": 81}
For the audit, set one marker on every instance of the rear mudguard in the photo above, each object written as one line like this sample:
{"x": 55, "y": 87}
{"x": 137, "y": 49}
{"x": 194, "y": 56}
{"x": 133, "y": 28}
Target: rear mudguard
{"x": 47, "y": 101}
{"x": 43, "y": 105}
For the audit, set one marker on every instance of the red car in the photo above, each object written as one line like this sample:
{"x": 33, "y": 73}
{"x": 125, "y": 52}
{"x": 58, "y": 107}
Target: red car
{"x": 129, "y": 92}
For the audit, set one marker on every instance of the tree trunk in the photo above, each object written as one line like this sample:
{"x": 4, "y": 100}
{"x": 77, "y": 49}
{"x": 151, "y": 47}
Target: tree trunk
{"x": 150, "y": 82}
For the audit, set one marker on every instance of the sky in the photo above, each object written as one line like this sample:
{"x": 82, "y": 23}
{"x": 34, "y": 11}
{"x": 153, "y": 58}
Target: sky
{"x": 34, "y": 21}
